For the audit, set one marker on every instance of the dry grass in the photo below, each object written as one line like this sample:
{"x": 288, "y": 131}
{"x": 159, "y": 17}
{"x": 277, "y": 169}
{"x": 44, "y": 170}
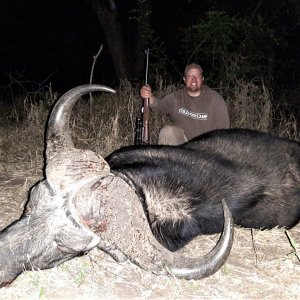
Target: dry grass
{"x": 262, "y": 264}
{"x": 251, "y": 106}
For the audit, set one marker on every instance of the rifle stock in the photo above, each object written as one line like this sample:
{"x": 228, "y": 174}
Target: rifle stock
{"x": 138, "y": 131}
{"x": 146, "y": 121}
{"x": 141, "y": 131}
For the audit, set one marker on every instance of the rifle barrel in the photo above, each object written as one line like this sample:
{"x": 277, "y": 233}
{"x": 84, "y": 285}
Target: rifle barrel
{"x": 146, "y": 106}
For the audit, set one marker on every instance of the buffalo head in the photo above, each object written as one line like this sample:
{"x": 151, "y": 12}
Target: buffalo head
{"x": 80, "y": 204}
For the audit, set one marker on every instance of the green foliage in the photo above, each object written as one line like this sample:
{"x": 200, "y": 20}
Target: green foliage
{"x": 215, "y": 31}
{"x": 209, "y": 39}
{"x": 231, "y": 45}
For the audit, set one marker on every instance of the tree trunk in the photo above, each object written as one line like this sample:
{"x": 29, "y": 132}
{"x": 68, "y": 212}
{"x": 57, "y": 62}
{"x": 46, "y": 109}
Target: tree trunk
{"x": 128, "y": 58}
{"x": 107, "y": 16}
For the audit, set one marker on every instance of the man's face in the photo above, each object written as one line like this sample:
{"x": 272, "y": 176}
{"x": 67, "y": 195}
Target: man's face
{"x": 193, "y": 81}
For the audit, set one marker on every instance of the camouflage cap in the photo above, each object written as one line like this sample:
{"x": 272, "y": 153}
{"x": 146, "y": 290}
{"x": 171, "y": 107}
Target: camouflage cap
{"x": 193, "y": 66}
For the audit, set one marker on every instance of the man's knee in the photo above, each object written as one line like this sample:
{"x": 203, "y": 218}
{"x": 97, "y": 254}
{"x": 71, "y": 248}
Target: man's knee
{"x": 171, "y": 135}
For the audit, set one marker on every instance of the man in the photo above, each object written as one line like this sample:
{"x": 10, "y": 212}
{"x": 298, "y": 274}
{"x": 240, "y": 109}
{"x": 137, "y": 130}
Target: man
{"x": 194, "y": 109}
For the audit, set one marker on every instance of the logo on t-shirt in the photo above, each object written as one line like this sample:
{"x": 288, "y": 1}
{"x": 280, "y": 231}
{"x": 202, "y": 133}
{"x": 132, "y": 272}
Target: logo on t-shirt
{"x": 193, "y": 115}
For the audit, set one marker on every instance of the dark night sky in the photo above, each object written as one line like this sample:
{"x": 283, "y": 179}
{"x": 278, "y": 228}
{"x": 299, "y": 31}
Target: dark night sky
{"x": 59, "y": 38}
{"x": 51, "y": 37}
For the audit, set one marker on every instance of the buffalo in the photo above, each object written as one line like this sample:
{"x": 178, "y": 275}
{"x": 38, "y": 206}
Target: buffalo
{"x": 256, "y": 173}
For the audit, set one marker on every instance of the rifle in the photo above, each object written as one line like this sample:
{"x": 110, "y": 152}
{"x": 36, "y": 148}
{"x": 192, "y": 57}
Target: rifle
{"x": 142, "y": 123}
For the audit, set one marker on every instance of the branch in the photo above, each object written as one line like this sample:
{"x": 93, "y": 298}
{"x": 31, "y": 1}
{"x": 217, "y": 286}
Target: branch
{"x": 92, "y": 74}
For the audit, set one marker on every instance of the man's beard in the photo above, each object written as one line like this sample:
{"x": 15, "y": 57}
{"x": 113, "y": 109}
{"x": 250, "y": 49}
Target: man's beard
{"x": 193, "y": 88}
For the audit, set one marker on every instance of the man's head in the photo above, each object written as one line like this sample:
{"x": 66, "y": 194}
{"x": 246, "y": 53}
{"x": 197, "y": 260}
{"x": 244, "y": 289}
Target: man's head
{"x": 193, "y": 66}
{"x": 193, "y": 79}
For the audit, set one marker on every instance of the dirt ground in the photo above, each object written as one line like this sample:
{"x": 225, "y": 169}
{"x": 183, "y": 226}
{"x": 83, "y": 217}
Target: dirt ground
{"x": 262, "y": 264}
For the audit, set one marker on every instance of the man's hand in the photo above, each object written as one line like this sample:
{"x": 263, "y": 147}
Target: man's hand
{"x": 146, "y": 93}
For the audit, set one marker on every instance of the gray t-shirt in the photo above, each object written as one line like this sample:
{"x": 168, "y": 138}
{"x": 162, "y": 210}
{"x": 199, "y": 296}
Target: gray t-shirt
{"x": 195, "y": 115}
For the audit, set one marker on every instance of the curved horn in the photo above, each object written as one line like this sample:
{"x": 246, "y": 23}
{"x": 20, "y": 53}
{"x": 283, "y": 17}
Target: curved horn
{"x": 58, "y": 136}
{"x": 210, "y": 263}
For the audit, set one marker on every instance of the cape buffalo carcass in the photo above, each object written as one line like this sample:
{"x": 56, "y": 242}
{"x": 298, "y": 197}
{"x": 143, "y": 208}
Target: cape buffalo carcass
{"x": 256, "y": 173}
{"x": 80, "y": 204}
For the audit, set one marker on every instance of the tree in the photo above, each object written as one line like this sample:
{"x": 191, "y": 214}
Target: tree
{"x": 126, "y": 51}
